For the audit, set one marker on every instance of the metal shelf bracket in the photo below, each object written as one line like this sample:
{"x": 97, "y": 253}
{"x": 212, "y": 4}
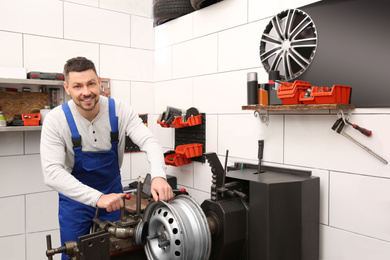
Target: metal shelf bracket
{"x": 264, "y": 118}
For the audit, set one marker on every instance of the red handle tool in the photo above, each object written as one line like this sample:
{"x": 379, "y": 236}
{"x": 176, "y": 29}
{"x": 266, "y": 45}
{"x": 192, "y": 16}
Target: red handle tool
{"x": 362, "y": 130}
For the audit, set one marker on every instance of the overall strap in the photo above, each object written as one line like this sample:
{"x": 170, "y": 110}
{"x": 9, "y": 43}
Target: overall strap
{"x": 76, "y": 138}
{"x": 113, "y": 120}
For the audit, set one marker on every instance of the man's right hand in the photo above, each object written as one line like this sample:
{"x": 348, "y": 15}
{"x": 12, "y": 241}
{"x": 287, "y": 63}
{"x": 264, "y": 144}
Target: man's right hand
{"x": 111, "y": 202}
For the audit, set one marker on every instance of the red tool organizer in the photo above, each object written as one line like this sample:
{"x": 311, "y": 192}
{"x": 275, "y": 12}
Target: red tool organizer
{"x": 190, "y": 140}
{"x": 294, "y": 93}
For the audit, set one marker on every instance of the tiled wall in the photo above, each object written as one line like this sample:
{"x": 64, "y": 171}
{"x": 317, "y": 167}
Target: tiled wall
{"x": 200, "y": 60}
{"x": 41, "y": 35}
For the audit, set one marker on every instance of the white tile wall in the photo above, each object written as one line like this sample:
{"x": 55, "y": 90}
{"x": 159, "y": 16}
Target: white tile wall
{"x": 41, "y": 17}
{"x": 13, "y": 247}
{"x": 338, "y": 244}
{"x": 165, "y": 34}
{"x": 211, "y": 133}
{"x": 221, "y": 93}
{"x": 11, "y": 143}
{"x": 21, "y": 175}
{"x": 174, "y": 93}
{"x": 285, "y": 4}
{"x": 202, "y": 177}
{"x": 184, "y": 174}
{"x": 220, "y": 16}
{"x": 14, "y": 207}
{"x": 42, "y": 211}
{"x": 141, "y": 8}
{"x": 365, "y": 201}
{"x": 11, "y": 50}
{"x": 53, "y": 53}
{"x": 32, "y": 139}
{"x": 126, "y": 167}
{"x": 120, "y": 90}
{"x": 201, "y": 60}
{"x": 163, "y": 64}
{"x": 245, "y": 41}
{"x": 142, "y": 97}
{"x": 126, "y": 63}
{"x": 142, "y": 33}
{"x": 86, "y": 23}
{"x": 139, "y": 165}
{"x": 84, "y": 2}
{"x": 261, "y": 9}
{"x": 195, "y": 57}
{"x": 36, "y": 244}
{"x": 240, "y": 134}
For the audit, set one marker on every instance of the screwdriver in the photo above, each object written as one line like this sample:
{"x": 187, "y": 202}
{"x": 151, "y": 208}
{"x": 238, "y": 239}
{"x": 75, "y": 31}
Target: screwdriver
{"x": 362, "y": 130}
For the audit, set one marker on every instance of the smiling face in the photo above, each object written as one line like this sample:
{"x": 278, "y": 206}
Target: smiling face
{"x": 84, "y": 89}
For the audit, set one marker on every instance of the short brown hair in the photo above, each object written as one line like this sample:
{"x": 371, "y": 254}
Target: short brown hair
{"x": 78, "y": 64}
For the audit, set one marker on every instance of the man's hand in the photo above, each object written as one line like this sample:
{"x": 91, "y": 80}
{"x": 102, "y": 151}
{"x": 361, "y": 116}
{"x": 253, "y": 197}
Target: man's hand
{"x": 111, "y": 202}
{"x": 160, "y": 189}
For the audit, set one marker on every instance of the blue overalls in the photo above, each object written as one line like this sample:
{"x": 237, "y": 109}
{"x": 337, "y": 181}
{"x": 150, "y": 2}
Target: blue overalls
{"x": 99, "y": 170}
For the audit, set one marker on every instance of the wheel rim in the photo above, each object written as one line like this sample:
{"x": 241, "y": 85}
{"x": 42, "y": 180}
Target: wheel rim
{"x": 289, "y": 43}
{"x": 178, "y": 230}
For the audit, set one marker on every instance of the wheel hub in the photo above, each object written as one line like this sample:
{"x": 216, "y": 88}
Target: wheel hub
{"x": 177, "y": 230}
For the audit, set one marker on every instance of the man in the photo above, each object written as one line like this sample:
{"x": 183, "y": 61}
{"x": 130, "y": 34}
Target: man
{"x": 82, "y": 147}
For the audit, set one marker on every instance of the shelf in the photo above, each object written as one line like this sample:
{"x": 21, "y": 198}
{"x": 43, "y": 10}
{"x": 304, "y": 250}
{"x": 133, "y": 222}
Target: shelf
{"x": 20, "y": 128}
{"x": 298, "y": 107}
{"x": 30, "y": 82}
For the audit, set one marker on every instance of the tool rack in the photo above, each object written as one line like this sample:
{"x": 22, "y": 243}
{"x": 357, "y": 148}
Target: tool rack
{"x": 190, "y": 140}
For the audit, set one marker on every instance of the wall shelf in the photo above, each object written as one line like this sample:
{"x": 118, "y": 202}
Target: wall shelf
{"x": 20, "y": 128}
{"x": 298, "y": 107}
{"x": 29, "y": 82}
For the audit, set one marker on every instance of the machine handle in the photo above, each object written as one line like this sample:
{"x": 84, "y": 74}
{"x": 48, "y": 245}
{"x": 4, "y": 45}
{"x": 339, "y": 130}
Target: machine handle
{"x": 49, "y": 248}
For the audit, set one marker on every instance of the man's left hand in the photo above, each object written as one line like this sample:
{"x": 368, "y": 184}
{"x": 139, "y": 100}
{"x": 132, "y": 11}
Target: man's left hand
{"x": 160, "y": 189}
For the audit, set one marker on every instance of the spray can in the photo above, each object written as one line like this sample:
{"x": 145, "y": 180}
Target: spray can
{"x": 252, "y": 88}
{"x": 3, "y": 122}
{"x": 44, "y": 112}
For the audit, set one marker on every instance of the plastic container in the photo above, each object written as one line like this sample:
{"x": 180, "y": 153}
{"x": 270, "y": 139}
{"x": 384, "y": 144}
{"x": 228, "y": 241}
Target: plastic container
{"x": 44, "y": 112}
{"x": 190, "y": 150}
{"x": 176, "y": 160}
{"x": 338, "y": 95}
{"x": 31, "y": 119}
{"x": 178, "y": 122}
{"x": 183, "y": 154}
{"x": 289, "y": 93}
{"x": 3, "y": 122}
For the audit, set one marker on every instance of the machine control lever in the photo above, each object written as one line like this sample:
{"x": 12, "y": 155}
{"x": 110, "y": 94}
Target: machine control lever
{"x": 260, "y": 156}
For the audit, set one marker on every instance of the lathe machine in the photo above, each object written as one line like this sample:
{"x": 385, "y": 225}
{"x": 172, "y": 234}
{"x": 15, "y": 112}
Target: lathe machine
{"x": 255, "y": 212}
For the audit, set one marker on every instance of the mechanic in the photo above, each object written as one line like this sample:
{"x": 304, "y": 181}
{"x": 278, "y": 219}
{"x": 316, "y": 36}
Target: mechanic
{"x": 82, "y": 147}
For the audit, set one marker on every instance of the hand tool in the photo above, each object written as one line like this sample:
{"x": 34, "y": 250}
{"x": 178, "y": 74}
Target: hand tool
{"x": 362, "y": 130}
{"x": 339, "y": 125}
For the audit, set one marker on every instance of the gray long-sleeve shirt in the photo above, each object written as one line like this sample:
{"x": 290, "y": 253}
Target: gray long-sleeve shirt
{"x": 57, "y": 155}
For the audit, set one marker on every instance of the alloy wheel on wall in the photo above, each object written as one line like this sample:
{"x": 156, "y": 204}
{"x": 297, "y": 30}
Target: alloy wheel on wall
{"x": 289, "y": 43}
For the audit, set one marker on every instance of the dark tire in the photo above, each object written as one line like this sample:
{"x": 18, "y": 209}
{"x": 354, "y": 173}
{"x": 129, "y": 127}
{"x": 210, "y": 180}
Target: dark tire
{"x": 199, "y": 4}
{"x": 166, "y": 10}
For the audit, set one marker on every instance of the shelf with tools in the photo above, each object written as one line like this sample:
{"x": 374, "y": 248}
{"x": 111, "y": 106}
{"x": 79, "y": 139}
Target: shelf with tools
{"x": 190, "y": 135}
{"x": 298, "y": 107}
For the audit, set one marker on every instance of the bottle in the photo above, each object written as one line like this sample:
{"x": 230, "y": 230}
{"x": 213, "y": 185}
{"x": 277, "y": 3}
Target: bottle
{"x": 44, "y": 112}
{"x": 252, "y": 88}
{"x": 263, "y": 95}
{"x": 3, "y": 122}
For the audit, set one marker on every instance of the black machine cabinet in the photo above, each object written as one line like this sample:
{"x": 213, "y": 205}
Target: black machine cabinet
{"x": 283, "y": 213}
